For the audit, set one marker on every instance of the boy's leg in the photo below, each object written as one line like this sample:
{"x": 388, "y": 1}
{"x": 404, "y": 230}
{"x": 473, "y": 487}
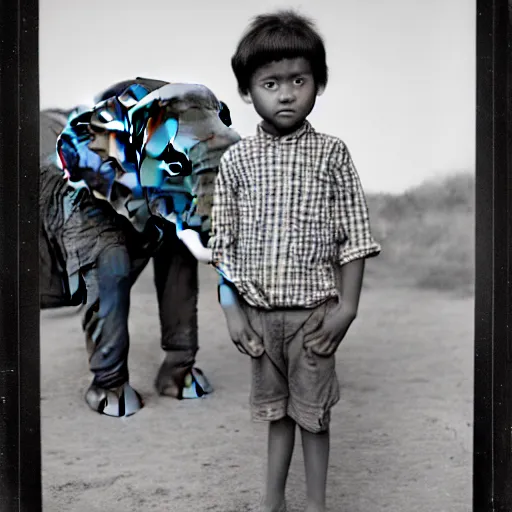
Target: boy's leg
{"x": 314, "y": 390}
{"x": 316, "y": 460}
{"x": 281, "y": 441}
{"x": 269, "y": 397}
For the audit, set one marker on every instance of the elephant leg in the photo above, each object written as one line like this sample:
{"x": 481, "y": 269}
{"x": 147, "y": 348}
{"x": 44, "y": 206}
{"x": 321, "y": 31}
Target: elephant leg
{"x": 176, "y": 282}
{"x": 106, "y": 327}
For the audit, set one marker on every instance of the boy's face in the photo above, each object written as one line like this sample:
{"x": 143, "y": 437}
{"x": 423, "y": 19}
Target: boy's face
{"x": 283, "y": 93}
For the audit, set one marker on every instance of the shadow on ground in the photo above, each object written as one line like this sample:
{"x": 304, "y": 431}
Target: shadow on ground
{"x": 401, "y": 436}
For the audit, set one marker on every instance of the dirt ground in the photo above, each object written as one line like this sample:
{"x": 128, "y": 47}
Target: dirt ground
{"x": 401, "y": 435}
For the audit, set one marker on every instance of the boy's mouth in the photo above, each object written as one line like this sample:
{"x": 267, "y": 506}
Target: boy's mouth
{"x": 285, "y": 112}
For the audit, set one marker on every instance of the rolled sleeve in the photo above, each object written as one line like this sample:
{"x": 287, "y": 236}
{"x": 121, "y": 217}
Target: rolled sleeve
{"x": 351, "y": 211}
{"x": 224, "y": 218}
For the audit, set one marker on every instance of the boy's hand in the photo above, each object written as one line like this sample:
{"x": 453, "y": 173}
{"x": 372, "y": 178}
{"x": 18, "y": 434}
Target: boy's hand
{"x": 240, "y": 331}
{"x": 325, "y": 340}
{"x": 242, "y": 335}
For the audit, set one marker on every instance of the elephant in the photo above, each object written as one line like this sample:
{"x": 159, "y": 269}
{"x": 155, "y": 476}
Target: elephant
{"x": 125, "y": 181}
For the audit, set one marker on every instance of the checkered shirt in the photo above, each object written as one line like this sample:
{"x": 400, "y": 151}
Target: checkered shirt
{"x": 285, "y": 210}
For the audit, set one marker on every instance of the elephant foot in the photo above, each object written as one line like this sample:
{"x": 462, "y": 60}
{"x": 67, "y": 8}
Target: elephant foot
{"x": 117, "y": 402}
{"x": 178, "y": 381}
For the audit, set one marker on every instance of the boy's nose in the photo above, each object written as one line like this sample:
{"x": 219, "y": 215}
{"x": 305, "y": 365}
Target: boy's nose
{"x": 286, "y": 94}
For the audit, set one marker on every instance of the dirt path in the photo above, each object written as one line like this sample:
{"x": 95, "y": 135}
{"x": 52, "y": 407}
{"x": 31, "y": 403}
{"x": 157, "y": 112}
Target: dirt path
{"x": 401, "y": 436}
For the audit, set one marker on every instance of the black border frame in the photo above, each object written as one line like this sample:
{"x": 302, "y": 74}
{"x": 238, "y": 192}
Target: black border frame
{"x": 492, "y": 471}
{"x": 20, "y": 430}
{"x": 20, "y": 441}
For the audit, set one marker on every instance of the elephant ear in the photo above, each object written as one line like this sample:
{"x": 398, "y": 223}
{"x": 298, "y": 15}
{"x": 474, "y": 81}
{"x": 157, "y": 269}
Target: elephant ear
{"x": 51, "y": 124}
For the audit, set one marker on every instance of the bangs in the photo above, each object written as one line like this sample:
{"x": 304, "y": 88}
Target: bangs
{"x": 280, "y": 45}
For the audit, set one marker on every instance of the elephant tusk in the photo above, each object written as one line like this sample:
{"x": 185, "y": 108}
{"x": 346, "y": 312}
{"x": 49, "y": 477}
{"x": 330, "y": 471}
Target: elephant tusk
{"x": 191, "y": 239}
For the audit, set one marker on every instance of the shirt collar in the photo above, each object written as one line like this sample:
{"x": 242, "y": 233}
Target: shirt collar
{"x": 297, "y": 134}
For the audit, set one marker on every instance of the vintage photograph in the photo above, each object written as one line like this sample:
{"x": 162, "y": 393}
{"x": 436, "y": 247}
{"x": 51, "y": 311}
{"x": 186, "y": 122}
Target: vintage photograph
{"x": 257, "y": 255}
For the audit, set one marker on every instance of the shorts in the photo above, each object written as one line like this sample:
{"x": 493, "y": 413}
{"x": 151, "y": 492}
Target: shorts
{"x": 287, "y": 380}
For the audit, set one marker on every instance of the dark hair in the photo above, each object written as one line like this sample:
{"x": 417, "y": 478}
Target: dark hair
{"x": 281, "y": 35}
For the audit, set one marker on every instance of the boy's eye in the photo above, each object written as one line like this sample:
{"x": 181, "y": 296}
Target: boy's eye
{"x": 299, "y": 81}
{"x": 269, "y": 85}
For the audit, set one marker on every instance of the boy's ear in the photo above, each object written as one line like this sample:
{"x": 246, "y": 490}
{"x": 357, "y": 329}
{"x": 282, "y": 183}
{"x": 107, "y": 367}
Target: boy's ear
{"x": 246, "y": 96}
{"x": 320, "y": 90}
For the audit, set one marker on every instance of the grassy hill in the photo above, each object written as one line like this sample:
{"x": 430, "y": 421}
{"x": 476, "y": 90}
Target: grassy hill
{"x": 427, "y": 235}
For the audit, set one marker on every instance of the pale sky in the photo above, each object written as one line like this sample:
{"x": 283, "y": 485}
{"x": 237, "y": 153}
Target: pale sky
{"x": 401, "y": 92}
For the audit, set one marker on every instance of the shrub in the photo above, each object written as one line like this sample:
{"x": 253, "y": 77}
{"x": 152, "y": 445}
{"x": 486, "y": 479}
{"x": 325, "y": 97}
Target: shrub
{"x": 427, "y": 234}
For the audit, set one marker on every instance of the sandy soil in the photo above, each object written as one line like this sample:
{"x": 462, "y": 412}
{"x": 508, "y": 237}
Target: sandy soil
{"x": 401, "y": 436}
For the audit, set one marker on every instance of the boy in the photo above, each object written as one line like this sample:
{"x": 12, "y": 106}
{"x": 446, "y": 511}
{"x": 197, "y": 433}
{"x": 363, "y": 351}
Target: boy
{"x": 290, "y": 232}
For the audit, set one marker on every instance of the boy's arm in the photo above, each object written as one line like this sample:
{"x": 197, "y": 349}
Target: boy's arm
{"x": 357, "y": 244}
{"x": 222, "y": 241}
{"x": 224, "y": 221}
{"x": 349, "y": 281}
{"x": 223, "y": 248}
{"x": 241, "y": 333}
{"x": 351, "y": 211}
{"x": 327, "y": 338}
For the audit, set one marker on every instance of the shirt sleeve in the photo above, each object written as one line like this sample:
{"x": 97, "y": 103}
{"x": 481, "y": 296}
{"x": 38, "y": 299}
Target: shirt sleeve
{"x": 224, "y": 220}
{"x": 351, "y": 211}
